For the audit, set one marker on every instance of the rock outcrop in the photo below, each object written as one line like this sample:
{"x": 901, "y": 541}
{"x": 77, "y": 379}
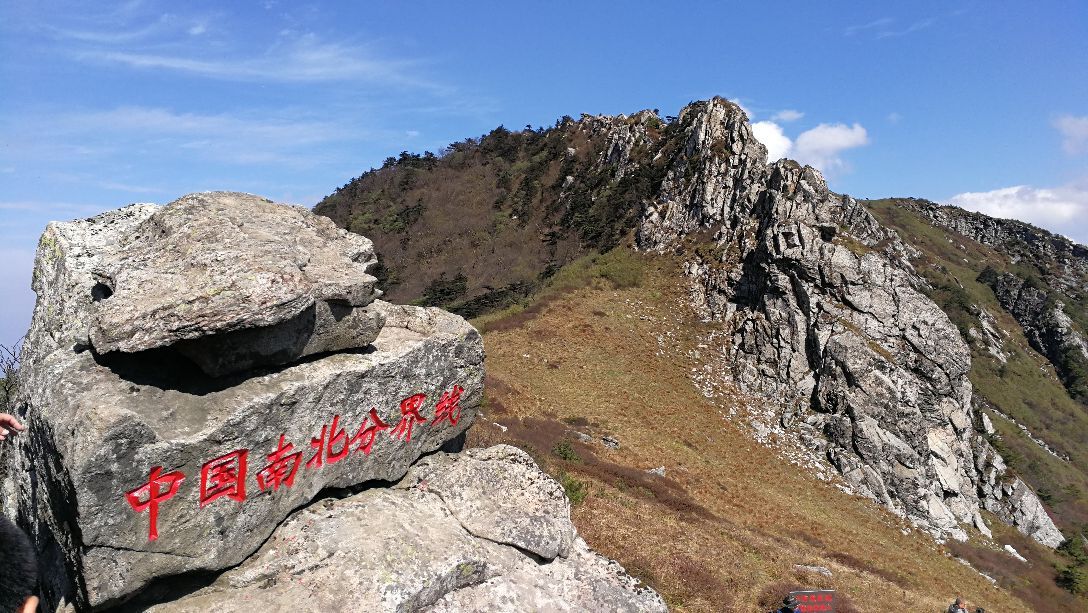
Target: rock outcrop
{"x": 142, "y": 466}
{"x": 234, "y": 281}
{"x": 198, "y": 372}
{"x": 448, "y": 537}
{"x": 1050, "y": 273}
{"x": 826, "y": 316}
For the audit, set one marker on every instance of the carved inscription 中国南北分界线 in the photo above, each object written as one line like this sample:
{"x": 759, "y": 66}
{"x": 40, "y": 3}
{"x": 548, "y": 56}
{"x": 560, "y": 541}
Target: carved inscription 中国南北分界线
{"x": 225, "y": 476}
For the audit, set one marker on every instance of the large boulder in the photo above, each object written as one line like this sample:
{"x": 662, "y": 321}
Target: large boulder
{"x": 484, "y": 530}
{"x": 241, "y": 280}
{"x": 139, "y": 465}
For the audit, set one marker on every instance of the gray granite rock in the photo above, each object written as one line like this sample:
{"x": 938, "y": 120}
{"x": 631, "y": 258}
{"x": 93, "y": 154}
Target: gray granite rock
{"x": 410, "y": 549}
{"x": 826, "y": 318}
{"x": 240, "y": 280}
{"x": 110, "y": 433}
{"x": 478, "y": 489}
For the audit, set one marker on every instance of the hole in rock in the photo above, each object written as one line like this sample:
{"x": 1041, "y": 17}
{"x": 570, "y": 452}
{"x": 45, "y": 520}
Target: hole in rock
{"x": 100, "y": 292}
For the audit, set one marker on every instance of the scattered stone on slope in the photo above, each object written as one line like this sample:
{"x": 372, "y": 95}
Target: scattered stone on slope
{"x": 989, "y": 336}
{"x": 140, "y": 466}
{"x": 409, "y": 548}
{"x": 232, "y": 281}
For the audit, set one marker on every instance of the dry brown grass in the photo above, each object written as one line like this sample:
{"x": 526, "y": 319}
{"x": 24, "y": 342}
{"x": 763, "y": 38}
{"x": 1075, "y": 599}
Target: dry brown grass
{"x": 727, "y": 524}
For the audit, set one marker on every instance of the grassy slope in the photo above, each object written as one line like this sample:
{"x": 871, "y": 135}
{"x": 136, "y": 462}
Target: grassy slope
{"x": 725, "y": 526}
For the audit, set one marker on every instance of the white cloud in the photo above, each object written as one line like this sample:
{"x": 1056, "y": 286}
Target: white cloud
{"x": 1074, "y": 132}
{"x": 285, "y": 137}
{"x": 771, "y": 135}
{"x": 885, "y": 27}
{"x": 787, "y": 115}
{"x": 299, "y": 59}
{"x": 872, "y": 25}
{"x": 914, "y": 27}
{"x": 894, "y": 118}
{"x": 1060, "y": 209}
{"x": 820, "y": 146}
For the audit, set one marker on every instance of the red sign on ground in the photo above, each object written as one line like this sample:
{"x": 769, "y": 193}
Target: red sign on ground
{"x": 815, "y": 601}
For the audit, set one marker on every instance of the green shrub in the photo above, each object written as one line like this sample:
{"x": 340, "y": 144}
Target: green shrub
{"x": 576, "y": 490}
{"x": 1074, "y": 579}
{"x": 622, "y": 267}
{"x": 566, "y": 451}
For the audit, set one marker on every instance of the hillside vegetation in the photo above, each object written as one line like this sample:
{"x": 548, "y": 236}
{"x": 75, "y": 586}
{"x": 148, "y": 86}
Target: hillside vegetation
{"x": 482, "y": 225}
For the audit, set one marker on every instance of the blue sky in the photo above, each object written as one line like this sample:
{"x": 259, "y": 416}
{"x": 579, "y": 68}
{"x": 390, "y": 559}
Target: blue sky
{"x": 104, "y": 104}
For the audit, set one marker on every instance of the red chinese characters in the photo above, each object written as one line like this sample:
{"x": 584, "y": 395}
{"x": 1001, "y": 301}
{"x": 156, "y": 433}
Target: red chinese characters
{"x": 815, "y": 602}
{"x": 449, "y": 406}
{"x": 281, "y": 469}
{"x": 149, "y": 495}
{"x": 409, "y": 411}
{"x": 224, "y": 476}
{"x": 366, "y": 434}
{"x": 326, "y": 447}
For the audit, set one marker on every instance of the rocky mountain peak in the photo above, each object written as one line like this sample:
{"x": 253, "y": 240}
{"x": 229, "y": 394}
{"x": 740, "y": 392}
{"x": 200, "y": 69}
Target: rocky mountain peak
{"x": 824, "y": 311}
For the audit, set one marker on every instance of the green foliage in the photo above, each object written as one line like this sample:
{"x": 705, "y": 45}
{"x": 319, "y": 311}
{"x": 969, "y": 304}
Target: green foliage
{"x": 1074, "y": 579}
{"x": 386, "y": 277}
{"x": 443, "y": 291}
{"x": 565, "y": 450}
{"x": 1074, "y": 370}
{"x": 576, "y": 490}
{"x": 621, "y": 266}
{"x": 953, "y": 299}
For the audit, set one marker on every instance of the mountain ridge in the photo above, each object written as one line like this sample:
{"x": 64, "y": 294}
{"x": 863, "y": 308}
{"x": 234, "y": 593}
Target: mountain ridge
{"x": 753, "y": 233}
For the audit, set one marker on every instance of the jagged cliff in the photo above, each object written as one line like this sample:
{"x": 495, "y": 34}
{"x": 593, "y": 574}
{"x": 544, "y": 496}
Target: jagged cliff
{"x": 825, "y": 311}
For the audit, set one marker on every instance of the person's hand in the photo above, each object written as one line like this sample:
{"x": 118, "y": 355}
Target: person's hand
{"x": 9, "y": 423}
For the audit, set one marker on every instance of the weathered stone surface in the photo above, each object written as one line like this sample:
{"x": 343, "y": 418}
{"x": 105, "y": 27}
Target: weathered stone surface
{"x": 320, "y": 328}
{"x": 410, "y": 549}
{"x": 825, "y": 316}
{"x": 534, "y": 516}
{"x": 100, "y": 425}
{"x": 216, "y": 263}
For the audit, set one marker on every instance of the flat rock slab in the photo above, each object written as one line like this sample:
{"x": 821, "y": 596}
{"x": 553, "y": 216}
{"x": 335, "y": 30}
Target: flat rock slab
{"x": 534, "y": 516}
{"x": 215, "y": 263}
{"x": 406, "y": 549}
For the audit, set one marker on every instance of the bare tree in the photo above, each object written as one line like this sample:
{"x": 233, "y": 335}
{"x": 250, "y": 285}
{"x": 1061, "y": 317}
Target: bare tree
{"x": 9, "y": 372}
